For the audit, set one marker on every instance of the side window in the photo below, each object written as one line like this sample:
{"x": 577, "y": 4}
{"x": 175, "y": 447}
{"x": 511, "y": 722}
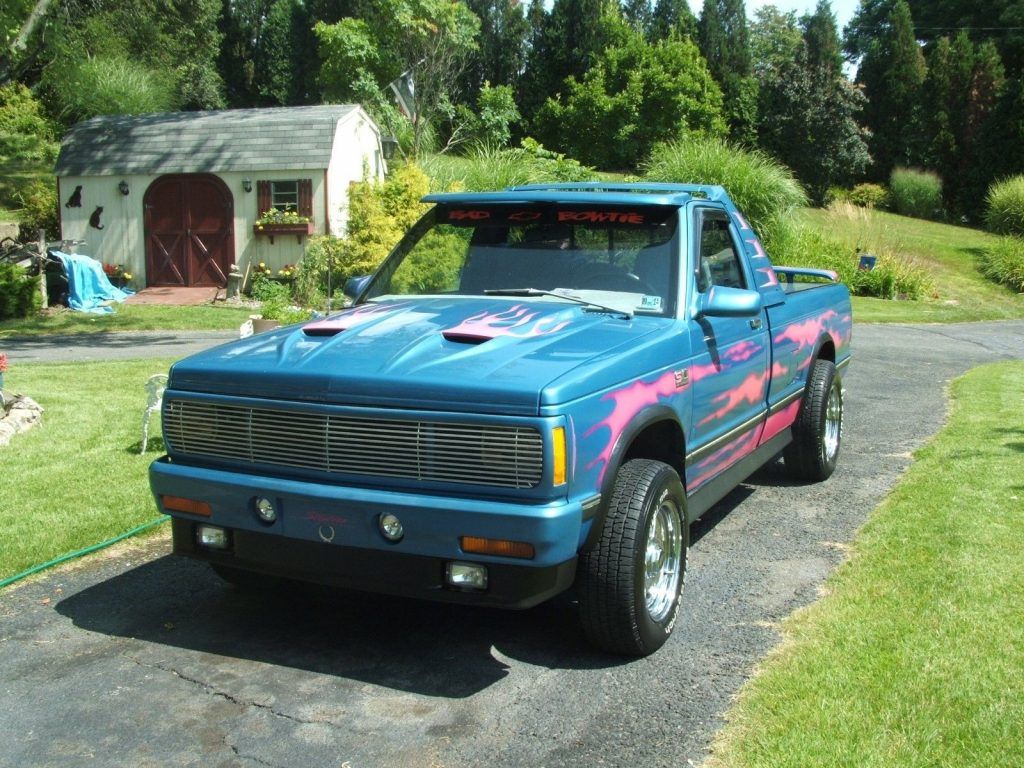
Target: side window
{"x": 719, "y": 263}
{"x": 294, "y": 195}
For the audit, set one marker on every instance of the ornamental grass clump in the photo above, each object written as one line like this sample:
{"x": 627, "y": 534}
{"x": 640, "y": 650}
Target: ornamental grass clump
{"x": 1005, "y": 206}
{"x": 895, "y": 275}
{"x": 762, "y": 188}
{"x": 1004, "y": 262}
{"x": 916, "y": 193}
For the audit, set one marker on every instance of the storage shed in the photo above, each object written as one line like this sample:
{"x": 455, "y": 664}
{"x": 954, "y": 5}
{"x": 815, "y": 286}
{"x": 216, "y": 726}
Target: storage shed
{"x": 175, "y": 197}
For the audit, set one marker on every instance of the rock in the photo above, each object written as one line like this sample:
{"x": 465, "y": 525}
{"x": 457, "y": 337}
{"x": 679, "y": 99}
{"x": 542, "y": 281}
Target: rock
{"x": 23, "y": 413}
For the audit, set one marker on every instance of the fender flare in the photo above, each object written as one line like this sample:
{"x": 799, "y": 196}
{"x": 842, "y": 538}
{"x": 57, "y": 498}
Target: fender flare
{"x": 649, "y": 416}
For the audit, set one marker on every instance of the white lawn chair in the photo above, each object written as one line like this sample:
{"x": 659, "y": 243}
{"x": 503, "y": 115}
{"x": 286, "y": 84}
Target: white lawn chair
{"x": 155, "y": 386}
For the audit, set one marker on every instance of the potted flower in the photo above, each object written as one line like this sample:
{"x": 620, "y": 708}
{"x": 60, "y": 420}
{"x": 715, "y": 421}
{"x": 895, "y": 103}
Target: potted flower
{"x": 278, "y": 222}
{"x": 118, "y": 276}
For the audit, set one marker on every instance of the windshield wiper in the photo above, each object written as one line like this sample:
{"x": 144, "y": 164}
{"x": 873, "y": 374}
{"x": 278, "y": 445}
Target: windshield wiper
{"x": 559, "y": 294}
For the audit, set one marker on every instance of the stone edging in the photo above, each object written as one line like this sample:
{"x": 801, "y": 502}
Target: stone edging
{"x": 18, "y": 413}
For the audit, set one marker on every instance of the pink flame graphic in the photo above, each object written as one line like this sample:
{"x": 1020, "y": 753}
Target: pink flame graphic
{"x": 740, "y": 220}
{"x": 770, "y": 277}
{"x": 629, "y": 401}
{"x": 806, "y": 334}
{"x": 751, "y": 391}
{"x": 516, "y": 321}
{"x": 351, "y": 318}
{"x": 779, "y": 421}
{"x": 725, "y": 457}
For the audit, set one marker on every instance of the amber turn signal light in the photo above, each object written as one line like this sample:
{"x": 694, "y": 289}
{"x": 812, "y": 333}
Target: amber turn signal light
{"x": 193, "y": 507}
{"x": 499, "y": 547}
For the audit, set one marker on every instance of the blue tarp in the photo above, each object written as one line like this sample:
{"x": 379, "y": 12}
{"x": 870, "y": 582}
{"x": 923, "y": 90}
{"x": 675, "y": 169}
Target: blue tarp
{"x": 88, "y": 286}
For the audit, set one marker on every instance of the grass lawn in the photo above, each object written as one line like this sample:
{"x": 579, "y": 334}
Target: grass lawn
{"x": 129, "y": 317}
{"x": 78, "y": 479}
{"x": 916, "y": 655}
{"x": 947, "y": 252}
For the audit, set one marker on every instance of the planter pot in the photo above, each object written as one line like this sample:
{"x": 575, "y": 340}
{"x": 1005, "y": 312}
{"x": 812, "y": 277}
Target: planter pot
{"x": 271, "y": 230}
{"x": 259, "y": 324}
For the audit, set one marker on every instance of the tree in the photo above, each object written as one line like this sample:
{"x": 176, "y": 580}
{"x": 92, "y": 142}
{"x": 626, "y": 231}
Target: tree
{"x": 567, "y": 43}
{"x": 807, "y": 107}
{"x": 503, "y": 43}
{"x": 892, "y": 73}
{"x": 723, "y": 37}
{"x": 427, "y": 40}
{"x": 283, "y": 69}
{"x": 672, "y": 16}
{"x": 635, "y": 95}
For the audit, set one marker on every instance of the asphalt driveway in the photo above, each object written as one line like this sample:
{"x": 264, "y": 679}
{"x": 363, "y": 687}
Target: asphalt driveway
{"x": 137, "y": 658}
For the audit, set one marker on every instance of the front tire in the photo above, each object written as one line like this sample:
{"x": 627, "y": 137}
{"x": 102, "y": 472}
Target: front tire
{"x": 818, "y": 431}
{"x": 631, "y": 581}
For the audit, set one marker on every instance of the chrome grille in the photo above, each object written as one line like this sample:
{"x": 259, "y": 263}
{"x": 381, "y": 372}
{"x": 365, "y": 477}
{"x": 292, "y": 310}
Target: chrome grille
{"x": 477, "y": 454}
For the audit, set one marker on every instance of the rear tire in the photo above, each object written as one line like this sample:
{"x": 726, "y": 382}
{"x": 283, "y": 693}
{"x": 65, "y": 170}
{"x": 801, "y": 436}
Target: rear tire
{"x": 818, "y": 430}
{"x": 631, "y": 581}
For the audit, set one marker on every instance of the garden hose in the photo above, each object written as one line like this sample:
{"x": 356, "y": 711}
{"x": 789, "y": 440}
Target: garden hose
{"x": 79, "y": 553}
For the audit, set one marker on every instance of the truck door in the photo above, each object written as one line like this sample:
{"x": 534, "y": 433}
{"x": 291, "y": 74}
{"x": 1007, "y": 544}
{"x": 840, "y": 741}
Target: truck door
{"x": 729, "y": 373}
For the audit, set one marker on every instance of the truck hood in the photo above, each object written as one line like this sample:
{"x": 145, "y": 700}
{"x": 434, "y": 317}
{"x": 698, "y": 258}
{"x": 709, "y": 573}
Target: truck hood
{"x": 491, "y": 355}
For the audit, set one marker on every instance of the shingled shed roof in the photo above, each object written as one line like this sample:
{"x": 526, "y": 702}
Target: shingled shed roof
{"x": 281, "y": 138}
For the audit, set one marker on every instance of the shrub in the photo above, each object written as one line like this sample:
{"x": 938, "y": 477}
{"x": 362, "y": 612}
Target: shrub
{"x": 761, "y": 187}
{"x": 1004, "y": 262}
{"x": 380, "y": 213}
{"x": 19, "y": 292}
{"x": 894, "y": 276}
{"x": 111, "y": 86}
{"x": 1005, "y": 206}
{"x": 39, "y": 209}
{"x": 916, "y": 193}
{"x": 25, "y": 133}
{"x": 869, "y": 196}
{"x": 486, "y": 168}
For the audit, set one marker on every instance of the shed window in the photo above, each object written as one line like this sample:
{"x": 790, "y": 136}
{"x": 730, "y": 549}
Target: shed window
{"x": 293, "y": 195}
{"x": 284, "y": 195}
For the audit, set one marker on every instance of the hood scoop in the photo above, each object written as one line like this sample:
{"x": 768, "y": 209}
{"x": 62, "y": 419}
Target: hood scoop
{"x": 465, "y": 338}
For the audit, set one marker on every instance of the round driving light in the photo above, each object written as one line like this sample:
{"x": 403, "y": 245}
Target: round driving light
{"x": 265, "y": 510}
{"x": 391, "y": 527}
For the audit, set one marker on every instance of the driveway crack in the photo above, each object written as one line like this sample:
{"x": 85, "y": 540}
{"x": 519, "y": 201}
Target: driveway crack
{"x": 211, "y": 690}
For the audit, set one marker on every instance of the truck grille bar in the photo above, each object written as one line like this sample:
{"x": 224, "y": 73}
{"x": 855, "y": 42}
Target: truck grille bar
{"x": 475, "y": 454}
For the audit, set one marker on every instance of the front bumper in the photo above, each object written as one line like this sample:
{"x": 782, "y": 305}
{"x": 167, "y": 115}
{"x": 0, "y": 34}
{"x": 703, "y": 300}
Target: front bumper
{"x": 329, "y": 534}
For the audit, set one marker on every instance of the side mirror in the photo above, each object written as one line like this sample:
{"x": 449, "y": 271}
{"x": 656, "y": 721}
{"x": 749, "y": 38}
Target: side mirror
{"x": 354, "y": 285}
{"x": 729, "y": 302}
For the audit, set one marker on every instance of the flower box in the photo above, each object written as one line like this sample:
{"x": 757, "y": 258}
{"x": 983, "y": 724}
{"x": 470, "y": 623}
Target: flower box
{"x": 270, "y": 230}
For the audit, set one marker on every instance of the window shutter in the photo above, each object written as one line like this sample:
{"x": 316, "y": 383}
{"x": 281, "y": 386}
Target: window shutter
{"x": 263, "y": 203}
{"x": 306, "y": 197}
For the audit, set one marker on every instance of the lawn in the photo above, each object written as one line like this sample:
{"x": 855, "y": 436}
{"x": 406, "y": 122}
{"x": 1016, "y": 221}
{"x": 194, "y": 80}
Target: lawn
{"x": 78, "y": 479}
{"x": 947, "y": 252}
{"x": 916, "y": 655}
{"x": 130, "y": 317}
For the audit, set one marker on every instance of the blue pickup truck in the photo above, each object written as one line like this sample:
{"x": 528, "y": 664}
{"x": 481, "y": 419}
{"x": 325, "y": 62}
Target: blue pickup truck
{"x": 540, "y": 388}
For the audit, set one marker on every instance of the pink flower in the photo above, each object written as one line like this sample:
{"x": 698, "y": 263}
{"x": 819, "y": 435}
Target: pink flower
{"x": 3, "y": 362}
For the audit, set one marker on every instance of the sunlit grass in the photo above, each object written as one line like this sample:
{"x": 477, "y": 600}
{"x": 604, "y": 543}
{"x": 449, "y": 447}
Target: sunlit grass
{"x": 960, "y": 293}
{"x": 78, "y": 479}
{"x": 130, "y": 317}
{"x": 916, "y": 655}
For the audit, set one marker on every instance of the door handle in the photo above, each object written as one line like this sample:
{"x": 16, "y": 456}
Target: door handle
{"x": 755, "y": 324}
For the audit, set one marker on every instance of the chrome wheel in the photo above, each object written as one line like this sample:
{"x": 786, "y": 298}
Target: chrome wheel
{"x": 663, "y": 560}
{"x": 833, "y": 421}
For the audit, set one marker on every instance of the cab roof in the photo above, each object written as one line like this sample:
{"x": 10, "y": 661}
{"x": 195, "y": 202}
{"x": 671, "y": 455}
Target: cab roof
{"x": 593, "y": 192}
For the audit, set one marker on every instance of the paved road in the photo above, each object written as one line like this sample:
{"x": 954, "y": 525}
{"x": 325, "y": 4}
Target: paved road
{"x": 146, "y": 660}
{"x": 110, "y": 346}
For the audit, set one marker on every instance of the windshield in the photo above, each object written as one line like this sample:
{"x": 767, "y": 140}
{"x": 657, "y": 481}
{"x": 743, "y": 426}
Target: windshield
{"x": 611, "y": 256}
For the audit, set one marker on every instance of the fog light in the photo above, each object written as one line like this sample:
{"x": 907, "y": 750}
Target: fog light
{"x": 391, "y": 527}
{"x": 265, "y": 511}
{"x": 469, "y": 575}
{"x": 212, "y": 537}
